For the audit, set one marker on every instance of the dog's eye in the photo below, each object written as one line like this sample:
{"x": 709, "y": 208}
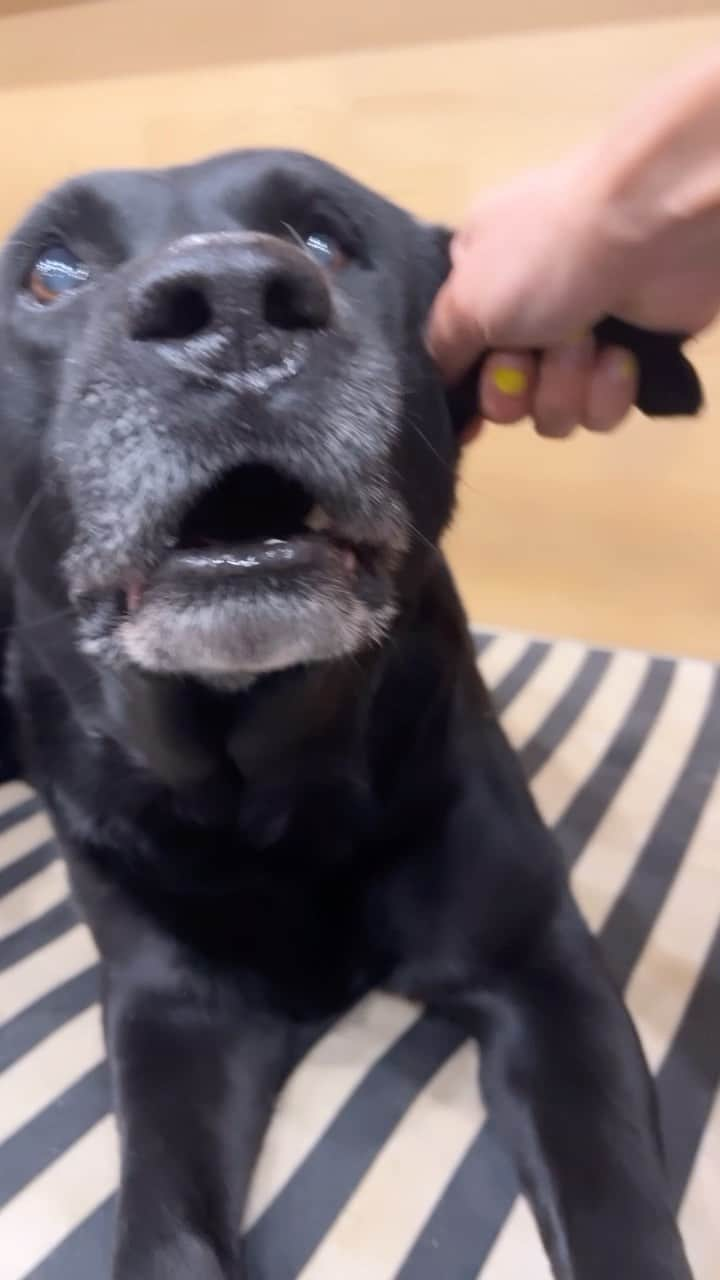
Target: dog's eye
{"x": 326, "y": 250}
{"x": 57, "y": 271}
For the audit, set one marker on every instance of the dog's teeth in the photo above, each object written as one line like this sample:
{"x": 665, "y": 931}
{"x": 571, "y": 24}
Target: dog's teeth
{"x": 317, "y": 519}
{"x": 275, "y": 542}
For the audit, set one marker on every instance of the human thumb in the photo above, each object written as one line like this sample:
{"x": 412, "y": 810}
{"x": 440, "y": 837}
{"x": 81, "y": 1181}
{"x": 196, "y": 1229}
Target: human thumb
{"x": 453, "y": 333}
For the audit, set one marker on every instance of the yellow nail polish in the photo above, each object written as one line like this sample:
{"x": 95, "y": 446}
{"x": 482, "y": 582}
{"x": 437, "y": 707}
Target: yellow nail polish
{"x": 512, "y": 382}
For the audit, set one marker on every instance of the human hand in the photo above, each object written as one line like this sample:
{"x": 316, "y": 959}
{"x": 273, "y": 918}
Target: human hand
{"x": 628, "y": 226}
{"x": 526, "y": 278}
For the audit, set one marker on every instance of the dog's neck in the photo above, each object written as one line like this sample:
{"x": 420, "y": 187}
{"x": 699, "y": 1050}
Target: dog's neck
{"x": 183, "y": 731}
{"x": 290, "y": 755}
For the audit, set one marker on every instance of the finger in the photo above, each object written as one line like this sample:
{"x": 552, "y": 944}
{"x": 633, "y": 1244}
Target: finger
{"x": 563, "y": 386}
{"x": 453, "y": 335}
{"x": 507, "y": 386}
{"x": 613, "y": 389}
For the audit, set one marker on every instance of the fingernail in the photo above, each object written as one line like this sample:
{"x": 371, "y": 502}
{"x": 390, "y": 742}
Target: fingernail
{"x": 512, "y": 382}
{"x": 622, "y": 367}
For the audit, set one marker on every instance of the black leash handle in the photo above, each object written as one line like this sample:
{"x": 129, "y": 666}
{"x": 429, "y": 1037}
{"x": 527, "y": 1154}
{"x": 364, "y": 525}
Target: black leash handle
{"x": 668, "y": 384}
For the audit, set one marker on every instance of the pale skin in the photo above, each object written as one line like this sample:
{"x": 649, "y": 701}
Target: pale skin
{"x": 627, "y": 225}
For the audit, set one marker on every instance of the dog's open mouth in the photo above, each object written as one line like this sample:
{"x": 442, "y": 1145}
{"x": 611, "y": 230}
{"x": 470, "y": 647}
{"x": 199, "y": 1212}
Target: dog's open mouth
{"x": 258, "y": 577}
{"x": 255, "y": 524}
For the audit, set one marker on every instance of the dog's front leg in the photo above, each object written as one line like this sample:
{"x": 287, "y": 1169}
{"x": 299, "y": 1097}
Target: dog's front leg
{"x": 196, "y": 1071}
{"x": 9, "y": 762}
{"x": 565, "y": 1079}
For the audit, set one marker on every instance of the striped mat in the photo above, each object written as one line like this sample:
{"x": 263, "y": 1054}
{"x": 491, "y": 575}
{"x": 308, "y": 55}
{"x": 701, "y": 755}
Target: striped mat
{"x": 381, "y": 1164}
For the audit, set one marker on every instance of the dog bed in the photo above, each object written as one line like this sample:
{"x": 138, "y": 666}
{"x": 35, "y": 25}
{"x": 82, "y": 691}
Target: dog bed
{"x": 381, "y": 1163}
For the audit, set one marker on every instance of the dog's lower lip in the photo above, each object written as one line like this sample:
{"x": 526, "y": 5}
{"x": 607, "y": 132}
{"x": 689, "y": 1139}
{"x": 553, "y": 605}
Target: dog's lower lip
{"x": 221, "y": 562}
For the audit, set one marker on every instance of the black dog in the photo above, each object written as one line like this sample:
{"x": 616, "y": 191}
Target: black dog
{"x": 242, "y": 681}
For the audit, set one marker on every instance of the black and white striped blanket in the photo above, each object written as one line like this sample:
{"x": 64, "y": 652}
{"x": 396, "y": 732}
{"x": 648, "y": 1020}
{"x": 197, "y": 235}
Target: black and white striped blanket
{"x": 623, "y": 751}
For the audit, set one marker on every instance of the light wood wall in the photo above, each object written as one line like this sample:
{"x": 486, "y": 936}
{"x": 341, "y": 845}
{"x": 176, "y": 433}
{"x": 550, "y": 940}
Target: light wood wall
{"x": 611, "y": 539}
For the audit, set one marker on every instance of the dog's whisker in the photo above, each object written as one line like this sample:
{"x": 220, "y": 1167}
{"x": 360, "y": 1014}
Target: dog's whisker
{"x": 447, "y": 466}
{"x": 457, "y": 472}
{"x": 19, "y": 628}
{"x": 295, "y": 235}
{"x": 423, "y": 538}
{"x": 23, "y": 523}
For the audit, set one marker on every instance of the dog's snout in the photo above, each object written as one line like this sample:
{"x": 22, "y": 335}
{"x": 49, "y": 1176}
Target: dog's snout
{"x": 296, "y": 299}
{"x": 227, "y": 288}
{"x": 172, "y": 308}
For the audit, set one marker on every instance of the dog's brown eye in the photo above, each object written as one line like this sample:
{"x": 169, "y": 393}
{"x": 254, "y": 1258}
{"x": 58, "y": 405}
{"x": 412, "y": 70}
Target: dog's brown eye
{"x": 325, "y": 250}
{"x": 57, "y": 271}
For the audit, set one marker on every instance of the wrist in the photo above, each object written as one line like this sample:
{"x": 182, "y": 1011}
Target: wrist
{"x": 657, "y": 171}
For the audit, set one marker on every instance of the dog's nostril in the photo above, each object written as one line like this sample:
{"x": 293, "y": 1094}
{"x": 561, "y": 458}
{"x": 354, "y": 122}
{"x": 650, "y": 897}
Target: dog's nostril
{"x": 297, "y": 301}
{"x": 172, "y": 310}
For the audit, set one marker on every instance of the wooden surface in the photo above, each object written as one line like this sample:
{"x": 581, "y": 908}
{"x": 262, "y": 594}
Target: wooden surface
{"x": 120, "y": 37}
{"x": 607, "y": 539}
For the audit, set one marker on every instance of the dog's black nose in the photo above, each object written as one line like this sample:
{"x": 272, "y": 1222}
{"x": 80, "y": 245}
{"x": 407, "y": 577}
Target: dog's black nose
{"x": 233, "y": 285}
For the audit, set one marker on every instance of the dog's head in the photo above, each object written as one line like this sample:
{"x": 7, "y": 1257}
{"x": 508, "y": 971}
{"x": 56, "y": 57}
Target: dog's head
{"x": 225, "y": 449}
{"x": 224, "y": 440}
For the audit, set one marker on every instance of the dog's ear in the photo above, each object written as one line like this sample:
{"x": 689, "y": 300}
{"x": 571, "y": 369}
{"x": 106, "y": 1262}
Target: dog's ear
{"x": 668, "y": 383}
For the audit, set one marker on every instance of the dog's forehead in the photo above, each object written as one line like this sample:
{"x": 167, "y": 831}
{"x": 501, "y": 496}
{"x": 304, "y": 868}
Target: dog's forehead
{"x": 275, "y": 173}
{"x": 215, "y": 192}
